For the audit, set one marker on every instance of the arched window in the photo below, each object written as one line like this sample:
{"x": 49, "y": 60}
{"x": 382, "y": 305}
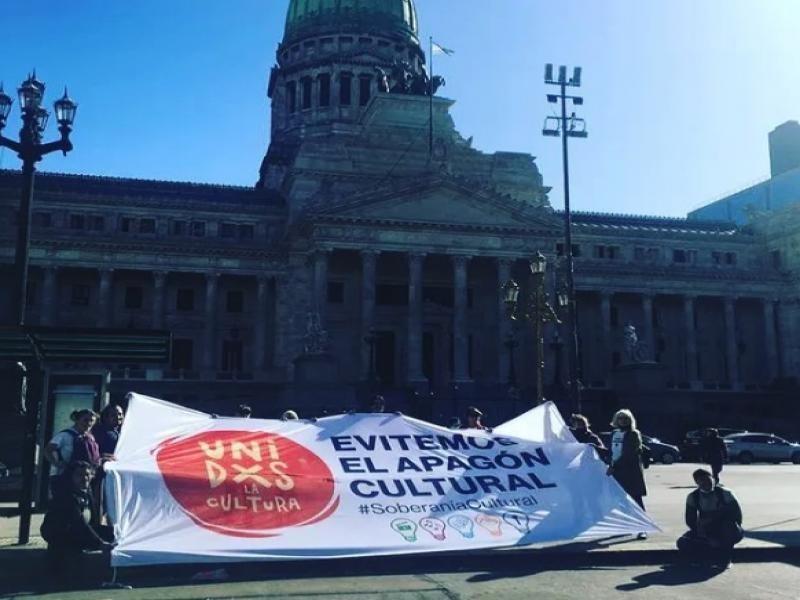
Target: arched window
{"x": 306, "y": 87}
{"x": 324, "y": 89}
{"x": 291, "y": 96}
{"x": 345, "y": 88}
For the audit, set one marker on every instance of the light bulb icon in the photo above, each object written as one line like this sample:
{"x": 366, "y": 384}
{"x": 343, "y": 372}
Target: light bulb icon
{"x": 491, "y": 524}
{"x": 519, "y": 521}
{"x": 433, "y": 526}
{"x": 462, "y": 525}
{"x": 405, "y": 527}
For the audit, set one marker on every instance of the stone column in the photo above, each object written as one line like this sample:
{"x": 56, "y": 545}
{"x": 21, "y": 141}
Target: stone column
{"x": 770, "y": 345}
{"x": 210, "y": 331}
{"x": 605, "y": 325}
{"x": 691, "y": 341}
{"x": 104, "y": 297}
{"x": 460, "y": 328}
{"x": 503, "y": 321}
{"x": 649, "y": 337}
{"x": 159, "y": 289}
{"x": 260, "y": 324}
{"x": 320, "y": 298}
{"x": 49, "y": 299}
{"x": 415, "y": 263}
{"x": 731, "y": 346}
{"x": 369, "y": 259}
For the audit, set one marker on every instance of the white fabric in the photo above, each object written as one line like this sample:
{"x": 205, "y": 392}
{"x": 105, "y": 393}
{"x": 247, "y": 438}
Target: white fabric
{"x": 64, "y": 440}
{"x": 191, "y": 488}
{"x": 617, "y": 439}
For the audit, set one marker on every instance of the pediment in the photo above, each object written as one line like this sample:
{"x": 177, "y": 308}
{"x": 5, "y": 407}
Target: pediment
{"x": 443, "y": 202}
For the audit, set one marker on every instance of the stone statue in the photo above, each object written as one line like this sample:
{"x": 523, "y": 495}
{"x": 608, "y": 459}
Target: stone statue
{"x": 315, "y": 340}
{"x": 635, "y": 350}
{"x": 401, "y": 77}
{"x": 383, "y": 80}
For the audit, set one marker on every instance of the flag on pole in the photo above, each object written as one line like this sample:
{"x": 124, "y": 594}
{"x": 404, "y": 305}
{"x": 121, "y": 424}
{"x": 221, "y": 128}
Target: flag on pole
{"x": 437, "y": 49}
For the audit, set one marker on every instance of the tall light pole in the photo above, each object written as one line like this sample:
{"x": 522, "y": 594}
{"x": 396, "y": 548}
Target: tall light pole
{"x": 567, "y": 127}
{"x": 535, "y": 309}
{"x": 31, "y": 150}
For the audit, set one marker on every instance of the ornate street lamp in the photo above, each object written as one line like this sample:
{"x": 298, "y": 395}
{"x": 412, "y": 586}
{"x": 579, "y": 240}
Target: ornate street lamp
{"x": 31, "y": 150}
{"x": 534, "y": 309}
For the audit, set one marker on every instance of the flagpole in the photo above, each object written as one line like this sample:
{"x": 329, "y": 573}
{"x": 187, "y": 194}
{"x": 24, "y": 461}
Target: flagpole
{"x": 430, "y": 101}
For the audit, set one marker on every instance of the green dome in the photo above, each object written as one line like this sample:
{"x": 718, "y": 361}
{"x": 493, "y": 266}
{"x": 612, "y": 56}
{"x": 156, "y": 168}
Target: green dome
{"x": 320, "y": 17}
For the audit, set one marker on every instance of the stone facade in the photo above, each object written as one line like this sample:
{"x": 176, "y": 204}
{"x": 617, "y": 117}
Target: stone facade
{"x": 356, "y": 222}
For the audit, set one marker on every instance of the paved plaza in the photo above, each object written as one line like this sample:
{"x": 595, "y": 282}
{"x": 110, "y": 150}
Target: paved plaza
{"x": 767, "y": 561}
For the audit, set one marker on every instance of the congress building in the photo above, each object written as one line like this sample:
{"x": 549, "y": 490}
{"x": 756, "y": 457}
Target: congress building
{"x": 370, "y": 258}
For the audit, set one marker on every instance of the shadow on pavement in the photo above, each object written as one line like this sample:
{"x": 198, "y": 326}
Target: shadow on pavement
{"x": 23, "y": 571}
{"x": 671, "y": 575}
{"x": 784, "y": 538}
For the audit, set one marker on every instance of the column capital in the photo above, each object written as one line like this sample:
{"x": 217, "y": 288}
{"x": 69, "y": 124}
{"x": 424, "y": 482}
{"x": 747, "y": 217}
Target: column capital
{"x": 460, "y": 260}
{"x": 212, "y": 277}
{"x": 159, "y": 277}
{"x": 505, "y": 261}
{"x": 262, "y": 278}
{"x": 369, "y": 253}
{"x": 105, "y": 271}
{"x": 605, "y": 293}
{"x": 416, "y": 258}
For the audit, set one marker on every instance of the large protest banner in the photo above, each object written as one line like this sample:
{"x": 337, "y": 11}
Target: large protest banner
{"x": 190, "y": 487}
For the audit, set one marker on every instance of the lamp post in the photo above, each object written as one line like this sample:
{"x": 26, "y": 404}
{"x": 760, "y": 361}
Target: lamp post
{"x": 567, "y": 127}
{"x": 535, "y": 309}
{"x": 31, "y": 150}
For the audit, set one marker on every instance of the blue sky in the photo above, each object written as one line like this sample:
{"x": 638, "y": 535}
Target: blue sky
{"x": 680, "y": 94}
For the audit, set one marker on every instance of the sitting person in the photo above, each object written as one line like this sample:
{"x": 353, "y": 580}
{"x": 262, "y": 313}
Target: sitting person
{"x": 67, "y": 527}
{"x": 714, "y": 519}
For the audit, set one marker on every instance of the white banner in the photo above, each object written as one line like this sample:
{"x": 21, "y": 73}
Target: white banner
{"x": 188, "y": 487}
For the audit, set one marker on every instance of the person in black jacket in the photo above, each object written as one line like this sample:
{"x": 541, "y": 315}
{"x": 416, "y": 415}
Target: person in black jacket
{"x": 583, "y": 434}
{"x": 626, "y": 457}
{"x": 67, "y": 527}
{"x": 714, "y": 452}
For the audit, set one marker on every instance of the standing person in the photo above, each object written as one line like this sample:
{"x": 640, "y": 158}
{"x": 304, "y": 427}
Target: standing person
{"x": 244, "y": 411}
{"x": 583, "y": 432}
{"x": 474, "y": 419}
{"x": 713, "y": 452}
{"x": 107, "y": 430}
{"x": 289, "y": 415}
{"x": 68, "y": 525}
{"x": 626, "y": 457}
{"x": 72, "y": 445}
{"x": 714, "y": 519}
{"x": 378, "y": 404}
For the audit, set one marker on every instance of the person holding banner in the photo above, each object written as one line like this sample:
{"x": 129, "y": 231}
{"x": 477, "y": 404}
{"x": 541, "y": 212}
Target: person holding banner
{"x": 474, "y": 419}
{"x": 626, "y": 457}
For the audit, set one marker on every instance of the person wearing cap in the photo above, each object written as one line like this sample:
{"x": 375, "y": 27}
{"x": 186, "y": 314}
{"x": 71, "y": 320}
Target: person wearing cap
{"x": 244, "y": 411}
{"x": 474, "y": 419}
{"x": 289, "y": 415}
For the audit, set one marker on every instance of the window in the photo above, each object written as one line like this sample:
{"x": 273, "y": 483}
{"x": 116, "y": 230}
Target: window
{"x": 134, "y": 296}
{"x": 227, "y": 230}
{"x": 336, "y": 292}
{"x": 364, "y": 83}
{"x": 79, "y": 295}
{"x": 246, "y": 231}
{"x": 599, "y": 251}
{"x": 77, "y": 221}
{"x": 234, "y": 301}
{"x": 198, "y": 228}
{"x": 291, "y": 96}
{"x": 126, "y": 224}
{"x": 716, "y": 258}
{"x": 324, "y": 90}
{"x": 179, "y": 227}
{"x": 684, "y": 256}
{"x": 306, "y": 83}
{"x": 147, "y": 226}
{"x": 182, "y": 350}
{"x": 345, "y": 93}
{"x": 98, "y": 223}
{"x": 232, "y": 355}
{"x": 730, "y": 258}
{"x": 576, "y": 249}
{"x": 184, "y": 299}
{"x": 42, "y": 219}
{"x": 391, "y": 294}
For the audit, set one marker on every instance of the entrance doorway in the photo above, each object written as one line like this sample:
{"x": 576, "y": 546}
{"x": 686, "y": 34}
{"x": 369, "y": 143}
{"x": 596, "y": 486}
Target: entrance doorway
{"x": 385, "y": 357}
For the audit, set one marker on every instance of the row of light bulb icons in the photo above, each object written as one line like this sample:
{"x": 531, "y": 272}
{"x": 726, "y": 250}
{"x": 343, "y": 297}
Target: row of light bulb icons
{"x": 407, "y": 528}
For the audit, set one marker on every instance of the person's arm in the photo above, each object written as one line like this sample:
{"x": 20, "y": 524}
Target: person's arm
{"x": 734, "y": 508}
{"x": 631, "y": 448}
{"x": 691, "y": 514}
{"x": 723, "y": 450}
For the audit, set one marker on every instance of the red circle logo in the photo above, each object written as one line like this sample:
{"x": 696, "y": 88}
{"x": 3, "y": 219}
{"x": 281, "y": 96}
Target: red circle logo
{"x": 247, "y": 483}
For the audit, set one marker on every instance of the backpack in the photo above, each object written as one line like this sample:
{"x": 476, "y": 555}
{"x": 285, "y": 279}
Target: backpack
{"x": 84, "y": 448}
